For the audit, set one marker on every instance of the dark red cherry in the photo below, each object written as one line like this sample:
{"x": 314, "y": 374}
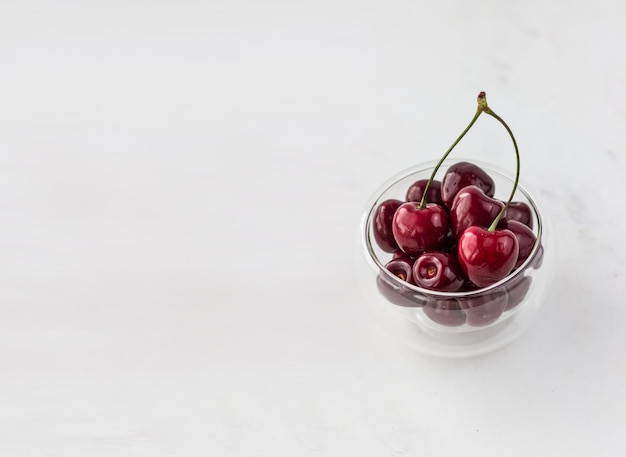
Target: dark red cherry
{"x": 519, "y": 211}
{"x": 484, "y": 309}
{"x": 525, "y": 238}
{"x": 398, "y": 292}
{"x": 416, "y": 192}
{"x": 383, "y": 219}
{"x": 472, "y": 207}
{"x": 487, "y": 257}
{"x": 438, "y": 271}
{"x": 465, "y": 174}
{"x": 517, "y": 291}
{"x": 402, "y": 268}
{"x": 446, "y": 312}
{"x": 418, "y": 229}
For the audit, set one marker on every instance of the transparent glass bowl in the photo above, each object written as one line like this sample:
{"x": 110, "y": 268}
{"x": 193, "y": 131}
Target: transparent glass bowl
{"x": 455, "y": 324}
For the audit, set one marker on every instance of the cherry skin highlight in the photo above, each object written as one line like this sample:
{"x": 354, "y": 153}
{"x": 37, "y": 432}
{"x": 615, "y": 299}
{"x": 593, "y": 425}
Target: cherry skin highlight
{"x": 383, "y": 218}
{"x": 418, "y": 229}
{"x": 465, "y": 174}
{"x": 472, "y": 206}
{"x": 487, "y": 257}
{"x": 438, "y": 271}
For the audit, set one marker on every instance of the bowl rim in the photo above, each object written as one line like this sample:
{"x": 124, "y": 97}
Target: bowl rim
{"x": 367, "y": 218}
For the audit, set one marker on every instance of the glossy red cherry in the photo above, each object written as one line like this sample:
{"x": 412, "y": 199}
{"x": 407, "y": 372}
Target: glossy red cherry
{"x": 438, "y": 271}
{"x": 416, "y": 192}
{"x": 465, "y": 174}
{"x": 402, "y": 268}
{"x": 418, "y": 229}
{"x": 487, "y": 257}
{"x": 398, "y": 292}
{"x": 446, "y": 312}
{"x": 472, "y": 207}
{"x": 484, "y": 309}
{"x": 525, "y": 238}
{"x": 519, "y": 211}
{"x": 383, "y": 219}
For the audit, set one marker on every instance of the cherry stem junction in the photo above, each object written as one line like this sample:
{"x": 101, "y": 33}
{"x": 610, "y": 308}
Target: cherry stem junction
{"x": 482, "y": 108}
{"x": 479, "y": 111}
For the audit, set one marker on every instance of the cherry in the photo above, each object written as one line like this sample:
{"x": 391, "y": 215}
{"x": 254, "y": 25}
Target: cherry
{"x": 438, "y": 271}
{"x": 487, "y": 256}
{"x": 472, "y": 207}
{"x": 517, "y": 291}
{"x": 416, "y": 192}
{"x": 465, "y": 174}
{"x": 383, "y": 218}
{"x": 519, "y": 211}
{"x": 525, "y": 238}
{"x": 484, "y": 309}
{"x": 402, "y": 268}
{"x": 395, "y": 291}
{"x": 446, "y": 312}
{"x": 418, "y": 229}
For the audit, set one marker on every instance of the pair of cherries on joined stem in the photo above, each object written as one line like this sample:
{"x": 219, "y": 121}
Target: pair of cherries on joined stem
{"x": 489, "y": 238}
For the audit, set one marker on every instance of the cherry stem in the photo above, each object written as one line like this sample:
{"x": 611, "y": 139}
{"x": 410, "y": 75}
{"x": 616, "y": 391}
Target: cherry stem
{"x": 495, "y": 222}
{"x": 482, "y": 106}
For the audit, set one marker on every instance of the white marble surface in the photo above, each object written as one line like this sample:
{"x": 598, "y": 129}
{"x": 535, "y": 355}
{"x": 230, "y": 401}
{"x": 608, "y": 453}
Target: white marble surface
{"x": 180, "y": 185}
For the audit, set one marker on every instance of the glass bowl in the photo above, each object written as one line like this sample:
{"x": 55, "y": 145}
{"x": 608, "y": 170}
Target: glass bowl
{"x": 455, "y": 324}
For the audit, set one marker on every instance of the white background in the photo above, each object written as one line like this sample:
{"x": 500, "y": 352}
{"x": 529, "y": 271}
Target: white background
{"x": 180, "y": 188}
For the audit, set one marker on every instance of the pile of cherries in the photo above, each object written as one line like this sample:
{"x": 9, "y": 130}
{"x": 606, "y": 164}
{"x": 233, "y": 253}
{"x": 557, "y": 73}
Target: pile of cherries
{"x": 453, "y": 235}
